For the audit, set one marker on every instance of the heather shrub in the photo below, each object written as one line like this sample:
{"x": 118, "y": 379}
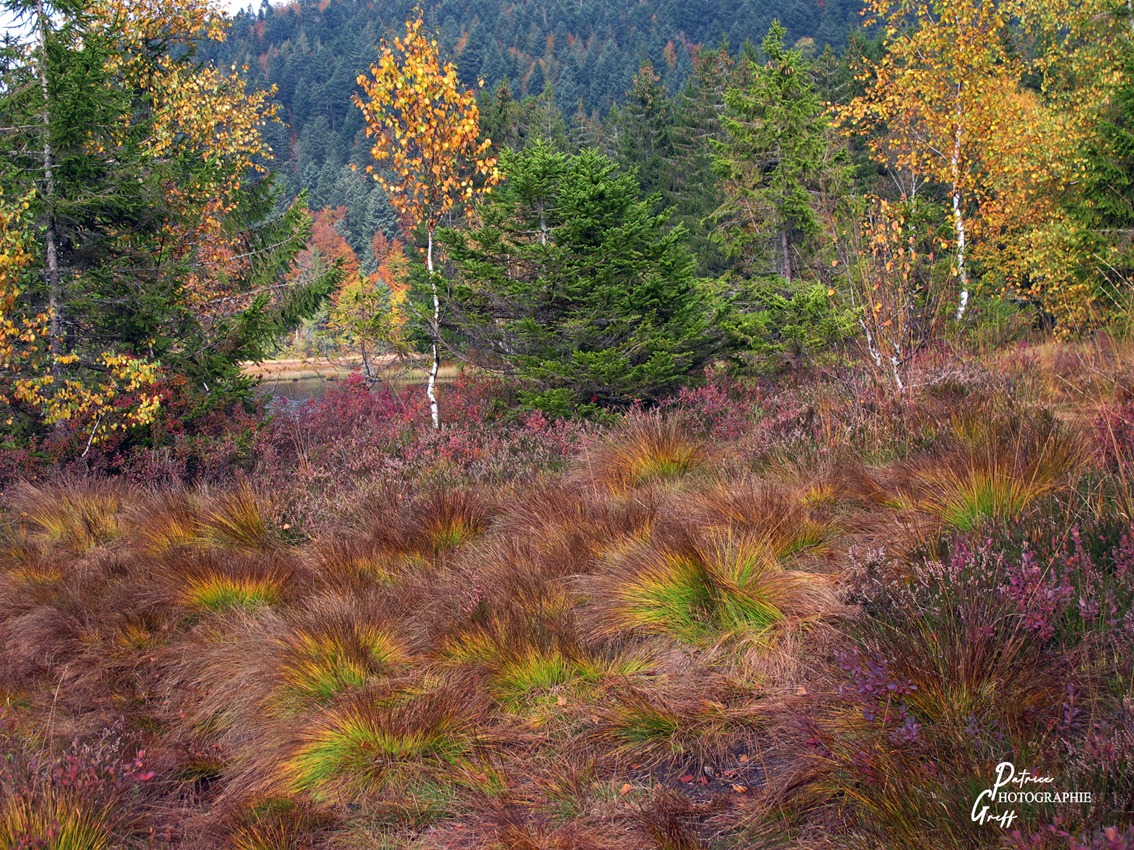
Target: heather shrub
{"x": 84, "y": 799}
{"x": 1000, "y": 652}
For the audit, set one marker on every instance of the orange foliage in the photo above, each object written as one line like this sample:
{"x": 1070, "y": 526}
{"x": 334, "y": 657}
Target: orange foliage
{"x": 950, "y": 102}
{"x": 202, "y": 113}
{"x": 326, "y": 238}
{"x": 393, "y": 268}
{"x": 425, "y": 130}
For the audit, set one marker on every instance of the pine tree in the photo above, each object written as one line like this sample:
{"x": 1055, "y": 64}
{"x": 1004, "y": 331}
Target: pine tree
{"x": 645, "y": 133}
{"x": 157, "y": 252}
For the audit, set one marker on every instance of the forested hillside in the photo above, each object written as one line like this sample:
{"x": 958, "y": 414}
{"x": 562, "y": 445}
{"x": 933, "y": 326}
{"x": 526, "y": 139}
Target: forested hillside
{"x": 581, "y": 57}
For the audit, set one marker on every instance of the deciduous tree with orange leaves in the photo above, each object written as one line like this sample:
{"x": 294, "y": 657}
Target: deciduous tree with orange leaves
{"x": 991, "y": 100}
{"x": 426, "y": 146}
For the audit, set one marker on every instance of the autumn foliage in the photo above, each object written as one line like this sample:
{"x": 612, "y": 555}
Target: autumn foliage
{"x": 426, "y": 133}
{"x": 975, "y": 97}
{"x": 425, "y": 130}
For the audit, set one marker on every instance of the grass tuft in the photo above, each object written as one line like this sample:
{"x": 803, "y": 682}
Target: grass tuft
{"x": 700, "y": 591}
{"x": 236, "y": 519}
{"x": 366, "y": 746}
{"x": 652, "y": 724}
{"x": 215, "y": 592}
{"x": 446, "y": 519}
{"x": 57, "y": 819}
{"x": 646, "y": 448}
{"x": 997, "y": 472}
{"x": 325, "y": 663}
{"x": 76, "y": 515}
{"x": 165, "y": 521}
{"x": 276, "y": 824}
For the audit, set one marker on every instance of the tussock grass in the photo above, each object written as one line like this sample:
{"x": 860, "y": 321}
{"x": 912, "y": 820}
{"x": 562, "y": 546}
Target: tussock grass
{"x": 322, "y": 663}
{"x": 76, "y": 515}
{"x": 702, "y": 590}
{"x": 252, "y": 671}
{"x": 763, "y": 510}
{"x": 679, "y": 724}
{"x": 996, "y": 474}
{"x": 218, "y": 592}
{"x": 275, "y": 824}
{"x": 59, "y": 819}
{"x": 164, "y": 521}
{"x": 365, "y": 747}
{"x": 530, "y": 668}
{"x": 237, "y": 519}
{"x": 647, "y": 448}
{"x": 214, "y": 581}
{"x": 443, "y": 520}
{"x": 350, "y": 560}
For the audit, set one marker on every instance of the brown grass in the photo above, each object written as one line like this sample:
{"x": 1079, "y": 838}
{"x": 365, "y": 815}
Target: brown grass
{"x": 647, "y": 448}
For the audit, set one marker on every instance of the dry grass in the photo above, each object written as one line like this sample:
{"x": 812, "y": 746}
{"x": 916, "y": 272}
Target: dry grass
{"x": 76, "y": 515}
{"x": 998, "y": 472}
{"x": 599, "y": 659}
{"x": 647, "y": 448}
{"x": 703, "y": 589}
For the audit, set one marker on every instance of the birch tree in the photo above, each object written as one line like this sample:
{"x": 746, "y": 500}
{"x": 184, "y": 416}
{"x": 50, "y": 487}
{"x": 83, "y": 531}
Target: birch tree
{"x": 426, "y": 131}
{"x": 992, "y": 102}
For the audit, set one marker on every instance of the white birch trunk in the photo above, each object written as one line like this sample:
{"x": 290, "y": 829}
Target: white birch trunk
{"x": 958, "y": 215}
{"x": 51, "y": 239}
{"x": 435, "y": 329}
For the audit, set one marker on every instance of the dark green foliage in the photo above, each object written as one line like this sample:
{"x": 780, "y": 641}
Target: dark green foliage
{"x": 645, "y": 133}
{"x": 576, "y": 288}
{"x": 775, "y": 163}
{"x": 782, "y": 176}
{"x": 1107, "y": 204}
{"x": 584, "y": 54}
{"x": 695, "y": 188}
{"x": 121, "y": 287}
{"x": 768, "y": 323}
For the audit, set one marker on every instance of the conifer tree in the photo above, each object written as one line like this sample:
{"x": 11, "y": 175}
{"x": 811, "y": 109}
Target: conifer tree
{"x": 574, "y": 287}
{"x": 148, "y": 208}
{"x": 773, "y": 163}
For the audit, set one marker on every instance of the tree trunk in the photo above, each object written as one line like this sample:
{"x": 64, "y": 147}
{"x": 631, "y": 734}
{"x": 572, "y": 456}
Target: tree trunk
{"x": 367, "y": 370}
{"x": 958, "y": 214}
{"x": 785, "y": 246}
{"x": 51, "y": 248}
{"x": 435, "y": 331}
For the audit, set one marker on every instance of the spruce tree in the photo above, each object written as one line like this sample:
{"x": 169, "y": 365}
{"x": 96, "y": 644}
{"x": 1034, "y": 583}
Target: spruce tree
{"x": 574, "y": 287}
{"x": 772, "y": 162}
